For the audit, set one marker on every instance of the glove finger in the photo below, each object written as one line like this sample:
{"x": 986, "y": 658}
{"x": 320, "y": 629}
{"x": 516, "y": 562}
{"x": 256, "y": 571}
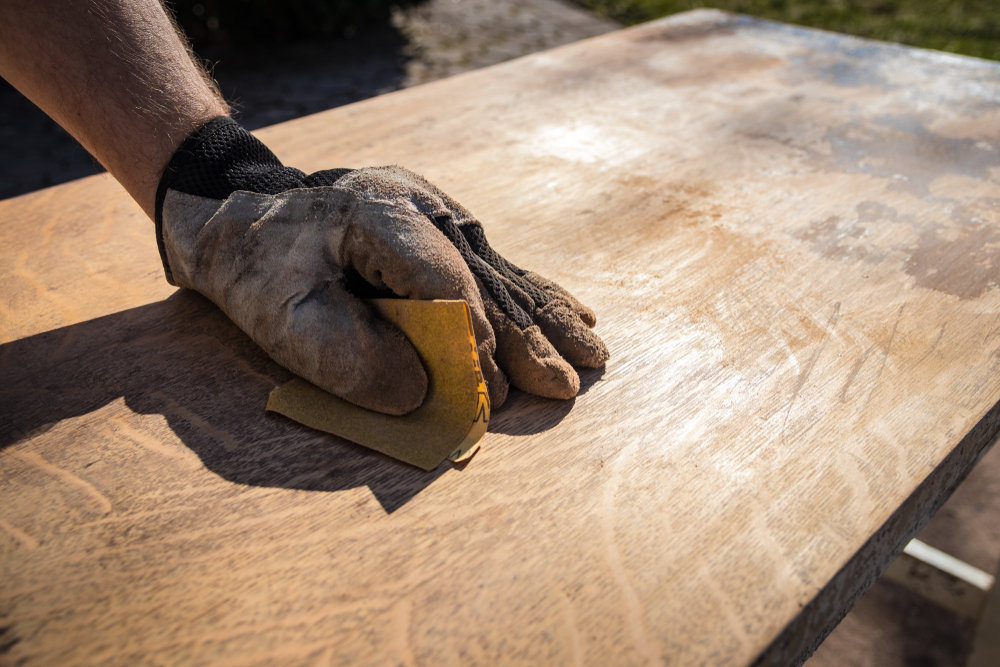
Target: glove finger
{"x": 398, "y": 248}
{"x": 338, "y": 343}
{"x": 574, "y": 340}
{"x": 405, "y": 252}
{"x": 496, "y": 381}
{"x": 583, "y": 312}
{"x": 563, "y": 327}
{"x": 529, "y": 360}
{"x": 540, "y": 289}
{"x": 486, "y": 346}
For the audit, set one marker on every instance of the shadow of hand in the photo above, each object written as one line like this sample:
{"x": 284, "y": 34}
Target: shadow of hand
{"x": 183, "y": 359}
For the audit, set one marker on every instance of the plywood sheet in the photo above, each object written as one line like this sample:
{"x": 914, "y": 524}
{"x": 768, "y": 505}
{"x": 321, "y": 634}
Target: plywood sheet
{"x": 792, "y": 242}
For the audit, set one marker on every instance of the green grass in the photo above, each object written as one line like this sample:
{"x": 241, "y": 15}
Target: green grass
{"x": 971, "y": 27}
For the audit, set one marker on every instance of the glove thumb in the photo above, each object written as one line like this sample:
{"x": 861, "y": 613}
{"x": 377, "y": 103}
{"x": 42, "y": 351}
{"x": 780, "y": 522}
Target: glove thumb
{"x": 338, "y": 343}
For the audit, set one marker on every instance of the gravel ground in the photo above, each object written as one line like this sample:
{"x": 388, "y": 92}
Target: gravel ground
{"x": 889, "y": 626}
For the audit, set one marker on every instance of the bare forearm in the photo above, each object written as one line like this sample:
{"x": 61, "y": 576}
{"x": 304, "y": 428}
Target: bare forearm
{"x": 115, "y": 74}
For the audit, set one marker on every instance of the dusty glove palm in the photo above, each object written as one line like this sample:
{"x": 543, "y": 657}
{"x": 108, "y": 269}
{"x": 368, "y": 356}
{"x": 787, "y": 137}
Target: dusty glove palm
{"x": 286, "y": 256}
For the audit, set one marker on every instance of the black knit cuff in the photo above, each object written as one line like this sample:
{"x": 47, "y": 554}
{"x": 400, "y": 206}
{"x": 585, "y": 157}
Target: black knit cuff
{"x": 220, "y": 158}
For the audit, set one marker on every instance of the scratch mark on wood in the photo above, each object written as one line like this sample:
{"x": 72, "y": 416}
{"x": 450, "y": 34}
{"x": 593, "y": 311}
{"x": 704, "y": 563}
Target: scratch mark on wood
{"x": 788, "y": 350}
{"x": 302, "y": 479}
{"x": 286, "y": 654}
{"x": 853, "y": 373}
{"x": 573, "y": 634}
{"x": 325, "y": 658}
{"x": 934, "y": 345}
{"x": 208, "y": 610}
{"x": 804, "y": 375}
{"x": 27, "y": 540}
{"x": 402, "y": 613}
{"x": 67, "y": 478}
{"x": 7, "y": 641}
{"x": 633, "y": 608}
{"x": 224, "y": 438}
{"x": 148, "y": 442}
{"x": 725, "y": 610}
{"x": 992, "y": 334}
{"x": 885, "y": 354}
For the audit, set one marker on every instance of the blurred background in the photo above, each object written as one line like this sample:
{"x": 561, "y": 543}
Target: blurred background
{"x": 278, "y": 61}
{"x": 970, "y": 27}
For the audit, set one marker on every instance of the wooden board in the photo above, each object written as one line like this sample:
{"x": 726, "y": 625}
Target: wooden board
{"x": 792, "y": 240}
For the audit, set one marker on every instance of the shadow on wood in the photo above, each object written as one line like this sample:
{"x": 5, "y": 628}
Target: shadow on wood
{"x": 181, "y": 358}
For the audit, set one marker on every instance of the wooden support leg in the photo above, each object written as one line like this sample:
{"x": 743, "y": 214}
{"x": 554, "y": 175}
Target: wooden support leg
{"x": 941, "y": 578}
{"x": 986, "y": 643}
{"x": 959, "y": 587}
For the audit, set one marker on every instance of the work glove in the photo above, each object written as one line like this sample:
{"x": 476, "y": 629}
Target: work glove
{"x": 289, "y": 257}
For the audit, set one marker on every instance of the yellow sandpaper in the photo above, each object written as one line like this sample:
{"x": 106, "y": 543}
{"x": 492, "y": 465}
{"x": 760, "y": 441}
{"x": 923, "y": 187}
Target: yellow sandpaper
{"x": 453, "y": 416}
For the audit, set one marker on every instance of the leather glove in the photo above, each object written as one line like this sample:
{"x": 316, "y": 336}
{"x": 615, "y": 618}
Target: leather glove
{"x": 288, "y": 256}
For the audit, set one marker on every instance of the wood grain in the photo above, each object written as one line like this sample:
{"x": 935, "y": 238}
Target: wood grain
{"x": 792, "y": 241}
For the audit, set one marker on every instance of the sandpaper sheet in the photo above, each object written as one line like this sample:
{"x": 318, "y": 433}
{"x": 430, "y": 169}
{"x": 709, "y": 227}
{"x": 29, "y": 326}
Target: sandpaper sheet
{"x": 453, "y": 416}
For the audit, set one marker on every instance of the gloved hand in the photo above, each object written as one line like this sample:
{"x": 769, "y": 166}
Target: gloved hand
{"x": 287, "y": 255}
